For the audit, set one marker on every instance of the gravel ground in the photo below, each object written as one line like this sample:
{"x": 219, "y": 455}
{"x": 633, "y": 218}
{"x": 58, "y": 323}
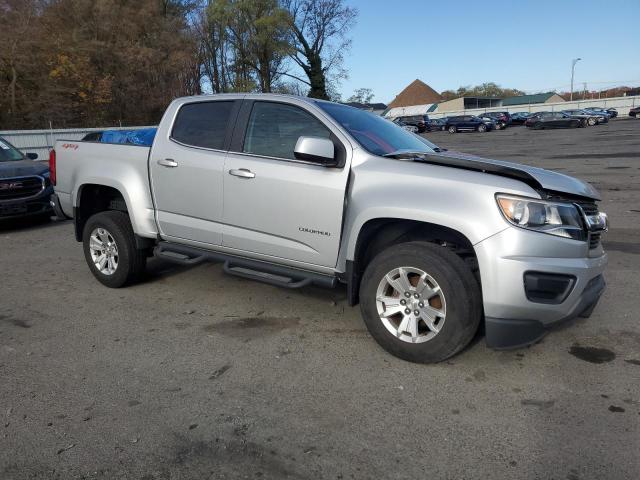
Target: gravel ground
{"x": 195, "y": 374}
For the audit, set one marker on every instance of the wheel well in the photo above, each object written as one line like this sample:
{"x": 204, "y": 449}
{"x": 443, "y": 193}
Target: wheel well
{"x": 93, "y": 199}
{"x": 379, "y": 234}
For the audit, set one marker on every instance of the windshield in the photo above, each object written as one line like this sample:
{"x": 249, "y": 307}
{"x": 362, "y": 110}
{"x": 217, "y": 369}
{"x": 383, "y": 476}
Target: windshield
{"x": 376, "y": 134}
{"x": 9, "y": 153}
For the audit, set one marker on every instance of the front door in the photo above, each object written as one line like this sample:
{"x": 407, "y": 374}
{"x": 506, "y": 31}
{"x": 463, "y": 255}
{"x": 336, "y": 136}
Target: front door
{"x": 187, "y": 172}
{"x": 276, "y": 205}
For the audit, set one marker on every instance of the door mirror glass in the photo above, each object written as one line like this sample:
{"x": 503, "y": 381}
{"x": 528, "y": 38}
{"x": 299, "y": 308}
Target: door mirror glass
{"x": 315, "y": 149}
{"x": 32, "y": 156}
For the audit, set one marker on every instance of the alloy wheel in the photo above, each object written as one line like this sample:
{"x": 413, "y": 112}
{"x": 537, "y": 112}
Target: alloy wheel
{"x": 104, "y": 251}
{"x": 411, "y": 304}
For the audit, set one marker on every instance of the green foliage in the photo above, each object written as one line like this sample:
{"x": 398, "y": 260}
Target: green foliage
{"x": 489, "y": 89}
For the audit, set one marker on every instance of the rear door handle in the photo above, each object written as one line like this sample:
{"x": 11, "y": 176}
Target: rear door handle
{"x": 242, "y": 173}
{"x": 168, "y": 162}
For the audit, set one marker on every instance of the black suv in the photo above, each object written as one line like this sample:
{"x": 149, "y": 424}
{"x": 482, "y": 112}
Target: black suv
{"x": 502, "y": 119}
{"x": 421, "y": 122}
{"x": 467, "y": 123}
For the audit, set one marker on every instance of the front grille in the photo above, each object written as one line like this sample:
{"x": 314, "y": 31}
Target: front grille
{"x": 20, "y": 187}
{"x": 589, "y": 208}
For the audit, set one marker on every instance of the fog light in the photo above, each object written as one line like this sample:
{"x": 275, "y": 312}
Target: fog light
{"x": 550, "y": 288}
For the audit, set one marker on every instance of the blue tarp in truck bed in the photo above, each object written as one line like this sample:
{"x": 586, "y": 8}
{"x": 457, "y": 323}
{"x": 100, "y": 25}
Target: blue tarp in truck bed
{"x": 143, "y": 136}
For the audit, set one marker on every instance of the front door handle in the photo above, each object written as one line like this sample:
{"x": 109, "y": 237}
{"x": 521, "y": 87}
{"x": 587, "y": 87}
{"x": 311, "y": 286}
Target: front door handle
{"x": 242, "y": 173}
{"x": 168, "y": 162}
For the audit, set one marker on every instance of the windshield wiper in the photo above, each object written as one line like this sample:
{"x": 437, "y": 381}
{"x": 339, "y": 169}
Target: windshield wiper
{"x": 406, "y": 153}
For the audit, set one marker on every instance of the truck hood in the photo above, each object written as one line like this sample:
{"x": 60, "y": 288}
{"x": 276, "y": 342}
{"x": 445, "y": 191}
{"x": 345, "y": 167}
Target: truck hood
{"x": 22, "y": 168}
{"x": 537, "y": 178}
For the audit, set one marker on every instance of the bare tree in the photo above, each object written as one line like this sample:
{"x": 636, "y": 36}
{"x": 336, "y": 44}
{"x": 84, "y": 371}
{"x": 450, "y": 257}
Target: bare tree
{"x": 361, "y": 95}
{"x": 319, "y": 31}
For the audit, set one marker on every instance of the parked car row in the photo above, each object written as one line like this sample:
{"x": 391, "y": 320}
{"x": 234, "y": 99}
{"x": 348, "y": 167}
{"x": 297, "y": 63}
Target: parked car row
{"x": 571, "y": 118}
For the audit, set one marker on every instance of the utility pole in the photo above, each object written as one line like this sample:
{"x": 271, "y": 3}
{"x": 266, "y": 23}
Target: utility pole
{"x": 573, "y": 68}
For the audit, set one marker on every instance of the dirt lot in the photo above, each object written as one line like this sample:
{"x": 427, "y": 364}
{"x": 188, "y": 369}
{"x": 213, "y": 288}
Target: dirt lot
{"x": 194, "y": 374}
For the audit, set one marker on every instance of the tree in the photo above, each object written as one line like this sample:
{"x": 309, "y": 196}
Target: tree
{"x": 89, "y": 63}
{"x": 488, "y": 89}
{"x": 18, "y": 41}
{"x": 319, "y": 36}
{"x": 361, "y": 95}
{"x": 244, "y": 44}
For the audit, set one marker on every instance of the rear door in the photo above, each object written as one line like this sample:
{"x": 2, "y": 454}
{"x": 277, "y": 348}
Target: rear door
{"x": 559, "y": 120}
{"x": 467, "y": 123}
{"x": 274, "y": 204}
{"x": 186, "y": 167}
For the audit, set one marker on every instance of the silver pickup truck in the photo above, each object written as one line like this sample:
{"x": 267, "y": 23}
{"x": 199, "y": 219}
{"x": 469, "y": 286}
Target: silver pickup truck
{"x": 296, "y": 191}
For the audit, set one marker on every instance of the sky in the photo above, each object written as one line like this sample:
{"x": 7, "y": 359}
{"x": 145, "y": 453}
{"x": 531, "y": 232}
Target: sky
{"x": 524, "y": 44}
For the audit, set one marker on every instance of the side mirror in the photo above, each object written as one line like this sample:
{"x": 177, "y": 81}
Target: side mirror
{"x": 316, "y": 149}
{"x": 32, "y": 156}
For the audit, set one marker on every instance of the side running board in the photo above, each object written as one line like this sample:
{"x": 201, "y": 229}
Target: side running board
{"x": 278, "y": 275}
{"x": 266, "y": 277}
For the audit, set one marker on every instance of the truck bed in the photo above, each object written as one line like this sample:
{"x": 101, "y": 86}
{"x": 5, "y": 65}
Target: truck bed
{"x": 123, "y": 167}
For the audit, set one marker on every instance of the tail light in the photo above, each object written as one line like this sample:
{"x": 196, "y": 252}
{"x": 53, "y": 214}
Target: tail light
{"x": 52, "y": 166}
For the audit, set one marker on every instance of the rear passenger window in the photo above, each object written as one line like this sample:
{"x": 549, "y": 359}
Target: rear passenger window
{"x": 274, "y": 129}
{"x": 202, "y": 124}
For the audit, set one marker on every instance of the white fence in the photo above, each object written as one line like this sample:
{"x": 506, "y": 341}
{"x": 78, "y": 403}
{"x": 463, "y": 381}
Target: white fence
{"x": 41, "y": 141}
{"x": 621, "y": 104}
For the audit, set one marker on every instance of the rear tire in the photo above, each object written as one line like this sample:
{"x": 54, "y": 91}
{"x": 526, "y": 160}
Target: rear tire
{"x": 452, "y": 129}
{"x": 110, "y": 249}
{"x": 459, "y": 301}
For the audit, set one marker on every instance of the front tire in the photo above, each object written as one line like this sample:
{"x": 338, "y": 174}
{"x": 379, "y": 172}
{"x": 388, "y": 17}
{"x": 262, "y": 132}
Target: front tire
{"x": 110, "y": 249}
{"x": 452, "y": 129}
{"x": 482, "y": 128}
{"x": 420, "y": 302}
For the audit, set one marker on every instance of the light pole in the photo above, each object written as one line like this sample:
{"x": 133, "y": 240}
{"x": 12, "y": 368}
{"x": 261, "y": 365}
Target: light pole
{"x": 573, "y": 68}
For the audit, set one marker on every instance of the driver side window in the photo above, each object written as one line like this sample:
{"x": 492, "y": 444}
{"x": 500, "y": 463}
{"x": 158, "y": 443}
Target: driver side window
{"x": 274, "y": 129}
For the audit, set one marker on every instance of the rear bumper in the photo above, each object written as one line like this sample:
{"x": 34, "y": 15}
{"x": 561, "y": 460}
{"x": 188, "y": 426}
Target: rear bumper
{"x": 57, "y": 209}
{"x": 504, "y": 333}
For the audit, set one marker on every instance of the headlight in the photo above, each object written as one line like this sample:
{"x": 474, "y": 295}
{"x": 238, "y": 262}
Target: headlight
{"x": 561, "y": 219}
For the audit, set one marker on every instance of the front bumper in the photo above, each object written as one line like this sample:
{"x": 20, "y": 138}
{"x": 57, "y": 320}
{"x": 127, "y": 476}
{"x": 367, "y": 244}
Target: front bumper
{"x": 37, "y": 205}
{"x": 504, "y": 333}
{"x": 513, "y": 320}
